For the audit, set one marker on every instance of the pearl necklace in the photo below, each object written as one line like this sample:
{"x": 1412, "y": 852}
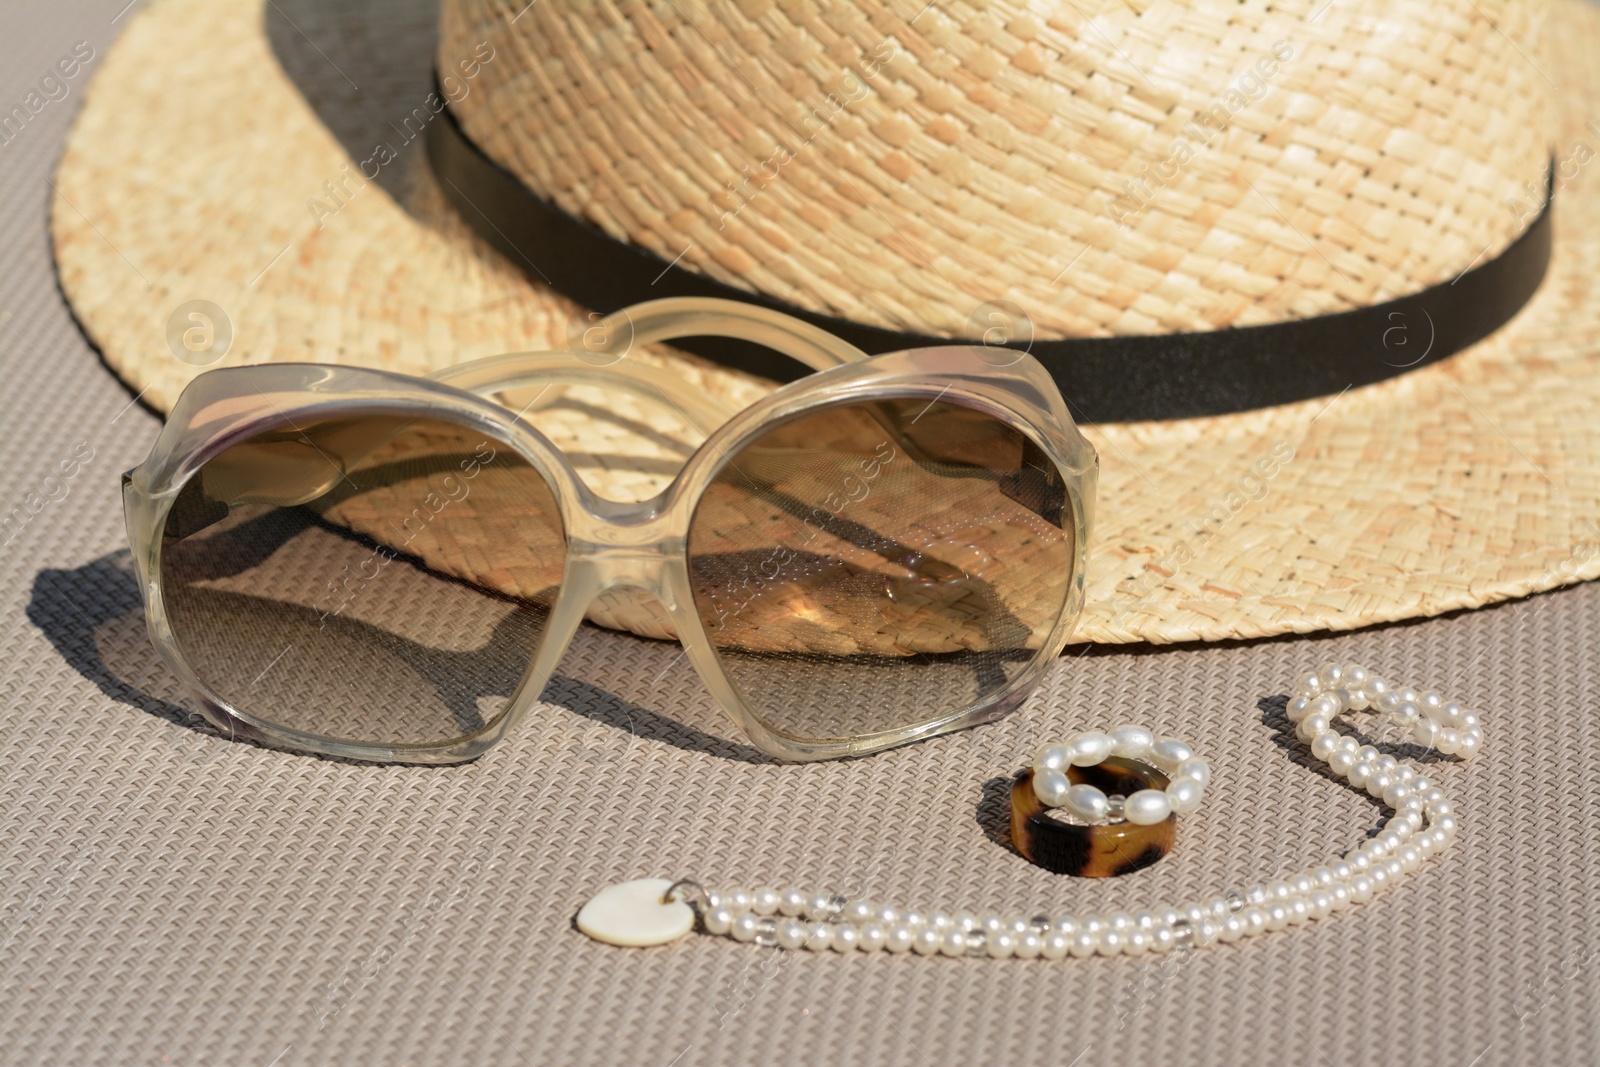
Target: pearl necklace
{"x": 1422, "y": 825}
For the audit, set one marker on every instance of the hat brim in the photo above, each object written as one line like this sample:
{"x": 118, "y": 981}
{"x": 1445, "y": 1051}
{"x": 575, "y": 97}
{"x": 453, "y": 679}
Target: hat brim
{"x": 218, "y": 157}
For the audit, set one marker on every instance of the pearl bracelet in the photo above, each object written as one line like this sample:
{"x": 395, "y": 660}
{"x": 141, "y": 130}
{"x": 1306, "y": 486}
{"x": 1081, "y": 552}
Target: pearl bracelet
{"x": 1146, "y": 807}
{"x": 1422, "y": 825}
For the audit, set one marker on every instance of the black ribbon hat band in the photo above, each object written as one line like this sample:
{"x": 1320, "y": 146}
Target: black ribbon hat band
{"x": 1104, "y": 379}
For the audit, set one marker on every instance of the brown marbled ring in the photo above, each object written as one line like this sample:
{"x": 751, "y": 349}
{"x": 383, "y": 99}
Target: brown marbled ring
{"x": 1098, "y": 851}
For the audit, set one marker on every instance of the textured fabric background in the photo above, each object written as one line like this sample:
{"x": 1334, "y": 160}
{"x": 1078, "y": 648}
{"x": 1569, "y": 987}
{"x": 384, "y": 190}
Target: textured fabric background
{"x": 171, "y": 897}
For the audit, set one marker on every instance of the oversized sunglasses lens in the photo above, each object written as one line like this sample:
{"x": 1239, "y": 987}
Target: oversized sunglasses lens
{"x": 878, "y": 566}
{"x": 378, "y": 580}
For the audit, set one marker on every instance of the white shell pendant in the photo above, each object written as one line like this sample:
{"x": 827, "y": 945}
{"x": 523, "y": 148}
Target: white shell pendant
{"x": 631, "y": 914}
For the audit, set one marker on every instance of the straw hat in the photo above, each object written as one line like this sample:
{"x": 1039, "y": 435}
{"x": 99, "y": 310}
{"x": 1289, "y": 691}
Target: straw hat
{"x": 249, "y": 183}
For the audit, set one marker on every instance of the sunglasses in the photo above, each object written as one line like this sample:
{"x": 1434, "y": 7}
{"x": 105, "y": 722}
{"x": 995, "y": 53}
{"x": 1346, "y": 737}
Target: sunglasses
{"x": 375, "y": 566}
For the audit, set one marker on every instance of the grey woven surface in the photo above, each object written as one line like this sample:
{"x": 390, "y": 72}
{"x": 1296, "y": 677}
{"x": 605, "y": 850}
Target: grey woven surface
{"x": 170, "y": 897}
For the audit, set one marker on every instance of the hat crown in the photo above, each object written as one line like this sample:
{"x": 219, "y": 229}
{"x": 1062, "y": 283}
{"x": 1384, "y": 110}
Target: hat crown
{"x": 1109, "y": 168}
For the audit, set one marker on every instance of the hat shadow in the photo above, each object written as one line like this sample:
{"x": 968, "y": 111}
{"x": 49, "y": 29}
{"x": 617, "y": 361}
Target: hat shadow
{"x": 93, "y": 616}
{"x": 364, "y": 67}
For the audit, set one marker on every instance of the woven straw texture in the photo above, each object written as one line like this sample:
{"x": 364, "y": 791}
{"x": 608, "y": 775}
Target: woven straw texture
{"x": 944, "y": 156}
{"x": 170, "y": 897}
{"x": 213, "y": 160}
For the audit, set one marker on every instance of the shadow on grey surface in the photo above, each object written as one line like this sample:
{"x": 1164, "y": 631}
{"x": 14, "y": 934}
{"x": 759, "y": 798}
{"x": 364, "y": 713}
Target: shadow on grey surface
{"x": 93, "y": 617}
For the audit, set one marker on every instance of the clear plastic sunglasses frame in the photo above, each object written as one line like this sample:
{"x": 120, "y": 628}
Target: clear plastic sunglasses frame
{"x": 610, "y": 544}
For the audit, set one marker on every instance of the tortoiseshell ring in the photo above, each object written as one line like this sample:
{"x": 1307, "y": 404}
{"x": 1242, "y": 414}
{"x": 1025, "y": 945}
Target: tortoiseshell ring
{"x": 1091, "y": 851}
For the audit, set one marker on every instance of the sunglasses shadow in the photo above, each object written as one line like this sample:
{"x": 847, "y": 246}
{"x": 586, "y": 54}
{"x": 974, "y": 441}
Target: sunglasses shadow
{"x": 94, "y": 618}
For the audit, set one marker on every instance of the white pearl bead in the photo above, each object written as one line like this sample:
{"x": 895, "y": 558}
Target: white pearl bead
{"x": 845, "y": 938}
{"x": 1131, "y": 742}
{"x": 1432, "y": 702}
{"x": 1377, "y": 782}
{"x": 1396, "y": 794}
{"x": 1255, "y": 921}
{"x": 1469, "y": 746}
{"x": 1298, "y": 708}
{"x": 1356, "y": 699}
{"x": 1359, "y": 774}
{"x": 1051, "y": 758}
{"x": 872, "y": 937}
{"x": 1330, "y": 675}
{"x": 1341, "y": 762}
{"x": 954, "y": 943}
{"x": 1028, "y": 946}
{"x": 897, "y": 938}
{"x": 744, "y": 927}
{"x": 737, "y": 899}
{"x": 1196, "y": 768}
{"x": 1088, "y": 749}
{"x": 1425, "y": 732}
{"x": 1185, "y": 795}
{"x": 1084, "y": 943}
{"x": 1340, "y": 894}
{"x": 1051, "y": 787}
{"x": 860, "y": 911}
{"x": 1451, "y": 714}
{"x": 1374, "y": 687}
{"x": 764, "y": 901}
{"x": 1388, "y": 702}
{"x": 792, "y": 934}
{"x": 1277, "y": 914}
{"x": 1324, "y": 745}
{"x": 792, "y": 902}
{"x": 1327, "y": 704}
{"x": 1308, "y": 685}
{"x": 927, "y": 941}
{"x": 1231, "y": 929}
{"x": 1111, "y": 943}
{"x": 1361, "y": 888}
{"x": 1169, "y": 752}
{"x": 1312, "y": 727}
{"x": 1449, "y": 741}
{"x": 819, "y": 937}
{"x": 1001, "y": 945}
{"x": 1086, "y": 802}
{"x": 1355, "y": 676}
{"x": 1135, "y": 943}
{"x": 1147, "y": 807}
{"x": 819, "y": 906}
{"x": 718, "y": 920}
{"x": 1056, "y": 945}
{"x": 1408, "y": 695}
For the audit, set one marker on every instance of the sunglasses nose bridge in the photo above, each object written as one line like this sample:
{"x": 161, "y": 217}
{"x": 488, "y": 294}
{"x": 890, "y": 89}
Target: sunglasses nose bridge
{"x": 637, "y": 564}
